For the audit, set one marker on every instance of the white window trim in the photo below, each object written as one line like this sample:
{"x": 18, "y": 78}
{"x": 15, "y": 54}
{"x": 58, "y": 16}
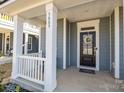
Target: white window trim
{"x": 30, "y": 43}
{"x": 92, "y": 23}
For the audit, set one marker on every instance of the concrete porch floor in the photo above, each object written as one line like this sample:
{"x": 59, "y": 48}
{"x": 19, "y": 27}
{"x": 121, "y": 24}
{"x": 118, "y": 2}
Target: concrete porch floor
{"x": 71, "y": 80}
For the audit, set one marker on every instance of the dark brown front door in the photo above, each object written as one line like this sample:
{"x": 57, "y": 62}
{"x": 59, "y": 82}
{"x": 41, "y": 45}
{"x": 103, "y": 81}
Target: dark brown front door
{"x": 88, "y": 49}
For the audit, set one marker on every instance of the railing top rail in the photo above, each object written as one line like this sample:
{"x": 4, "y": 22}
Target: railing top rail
{"x": 6, "y": 17}
{"x": 33, "y": 58}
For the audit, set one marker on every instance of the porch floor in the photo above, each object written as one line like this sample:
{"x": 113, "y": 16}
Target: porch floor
{"x": 71, "y": 80}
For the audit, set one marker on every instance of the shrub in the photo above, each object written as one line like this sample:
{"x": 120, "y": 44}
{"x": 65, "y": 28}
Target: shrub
{"x": 18, "y": 89}
{"x": 1, "y": 88}
{"x": 1, "y": 54}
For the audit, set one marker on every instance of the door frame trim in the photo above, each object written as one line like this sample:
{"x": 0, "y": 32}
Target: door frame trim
{"x": 92, "y": 23}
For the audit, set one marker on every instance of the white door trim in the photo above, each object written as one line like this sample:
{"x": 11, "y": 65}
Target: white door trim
{"x": 92, "y": 23}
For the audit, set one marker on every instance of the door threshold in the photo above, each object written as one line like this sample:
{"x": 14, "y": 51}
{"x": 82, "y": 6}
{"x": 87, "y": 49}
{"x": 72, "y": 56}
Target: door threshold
{"x": 88, "y": 68}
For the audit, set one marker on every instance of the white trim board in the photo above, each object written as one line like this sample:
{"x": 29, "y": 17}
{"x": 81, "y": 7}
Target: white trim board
{"x": 117, "y": 47}
{"x": 92, "y": 23}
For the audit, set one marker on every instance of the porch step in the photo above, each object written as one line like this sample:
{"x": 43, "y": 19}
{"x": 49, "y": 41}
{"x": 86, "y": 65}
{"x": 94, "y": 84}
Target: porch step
{"x": 29, "y": 85}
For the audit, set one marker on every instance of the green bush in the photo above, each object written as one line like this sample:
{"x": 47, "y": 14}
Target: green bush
{"x": 1, "y": 54}
{"x": 1, "y": 88}
{"x": 18, "y": 89}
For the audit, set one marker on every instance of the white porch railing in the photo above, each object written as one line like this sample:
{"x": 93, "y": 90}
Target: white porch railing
{"x": 6, "y": 20}
{"x": 35, "y": 55}
{"x": 31, "y": 68}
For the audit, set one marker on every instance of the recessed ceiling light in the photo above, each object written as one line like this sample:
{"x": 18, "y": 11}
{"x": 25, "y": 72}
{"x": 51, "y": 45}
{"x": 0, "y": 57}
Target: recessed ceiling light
{"x": 3, "y": 1}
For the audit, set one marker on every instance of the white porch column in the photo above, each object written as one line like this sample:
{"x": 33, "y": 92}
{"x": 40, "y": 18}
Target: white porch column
{"x": 117, "y": 44}
{"x": 26, "y": 44}
{"x": 17, "y": 43}
{"x": 51, "y": 47}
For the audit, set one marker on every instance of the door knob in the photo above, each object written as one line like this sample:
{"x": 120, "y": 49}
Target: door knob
{"x": 95, "y": 48}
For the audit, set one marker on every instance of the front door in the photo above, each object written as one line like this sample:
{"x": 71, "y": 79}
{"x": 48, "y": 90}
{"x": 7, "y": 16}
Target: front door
{"x": 88, "y": 49}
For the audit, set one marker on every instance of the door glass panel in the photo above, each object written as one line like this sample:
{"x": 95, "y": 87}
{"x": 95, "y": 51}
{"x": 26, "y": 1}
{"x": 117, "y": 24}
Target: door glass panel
{"x": 87, "y": 46}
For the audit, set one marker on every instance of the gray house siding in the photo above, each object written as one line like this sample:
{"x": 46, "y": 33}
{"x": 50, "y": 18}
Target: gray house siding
{"x": 73, "y": 44}
{"x": 104, "y": 44}
{"x": 34, "y": 44}
{"x": 43, "y": 42}
{"x": 60, "y": 43}
{"x": 104, "y": 35}
{"x": 121, "y": 45}
{"x": 67, "y": 44}
{"x": 11, "y": 40}
{"x": 112, "y": 42}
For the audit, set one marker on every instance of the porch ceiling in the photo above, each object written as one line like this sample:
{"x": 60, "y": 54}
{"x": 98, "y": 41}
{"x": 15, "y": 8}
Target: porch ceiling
{"x": 74, "y": 10}
{"x": 3, "y": 30}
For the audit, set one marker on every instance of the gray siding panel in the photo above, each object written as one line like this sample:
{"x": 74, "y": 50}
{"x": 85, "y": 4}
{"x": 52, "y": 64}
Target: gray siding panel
{"x": 43, "y": 42}
{"x": 67, "y": 44}
{"x": 104, "y": 44}
{"x": 60, "y": 43}
{"x": 11, "y": 40}
{"x": 112, "y": 42}
{"x": 73, "y": 44}
{"x": 121, "y": 45}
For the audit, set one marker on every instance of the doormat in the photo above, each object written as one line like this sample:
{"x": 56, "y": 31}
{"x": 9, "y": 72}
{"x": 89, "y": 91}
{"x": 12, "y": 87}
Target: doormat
{"x": 87, "y": 71}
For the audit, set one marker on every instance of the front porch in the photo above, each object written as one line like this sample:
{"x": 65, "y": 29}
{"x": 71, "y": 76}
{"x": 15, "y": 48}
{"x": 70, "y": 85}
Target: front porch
{"x": 89, "y": 39}
{"x": 71, "y": 80}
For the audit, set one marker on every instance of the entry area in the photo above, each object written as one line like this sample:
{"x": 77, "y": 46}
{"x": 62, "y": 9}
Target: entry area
{"x": 88, "y": 45}
{"x": 87, "y": 49}
{"x": 71, "y": 80}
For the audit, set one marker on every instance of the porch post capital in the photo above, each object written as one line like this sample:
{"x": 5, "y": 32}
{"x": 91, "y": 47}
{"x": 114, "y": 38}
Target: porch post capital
{"x": 51, "y": 6}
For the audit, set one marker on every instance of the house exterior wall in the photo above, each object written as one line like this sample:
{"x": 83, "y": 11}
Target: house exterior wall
{"x": 34, "y": 44}
{"x": 112, "y": 42}
{"x": 73, "y": 44}
{"x": 11, "y": 40}
{"x": 121, "y": 44}
{"x": 104, "y": 36}
{"x": 67, "y": 44}
{"x": 43, "y": 42}
{"x": 60, "y": 29}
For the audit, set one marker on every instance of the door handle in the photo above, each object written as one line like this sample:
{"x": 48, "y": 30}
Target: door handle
{"x": 95, "y": 48}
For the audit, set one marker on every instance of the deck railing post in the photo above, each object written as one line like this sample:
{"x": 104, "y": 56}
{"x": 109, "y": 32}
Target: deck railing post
{"x": 17, "y": 44}
{"x": 51, "y": 40}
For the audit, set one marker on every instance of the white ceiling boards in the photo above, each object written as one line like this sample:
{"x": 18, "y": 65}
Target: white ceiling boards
{"x": 74, "y": 10}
